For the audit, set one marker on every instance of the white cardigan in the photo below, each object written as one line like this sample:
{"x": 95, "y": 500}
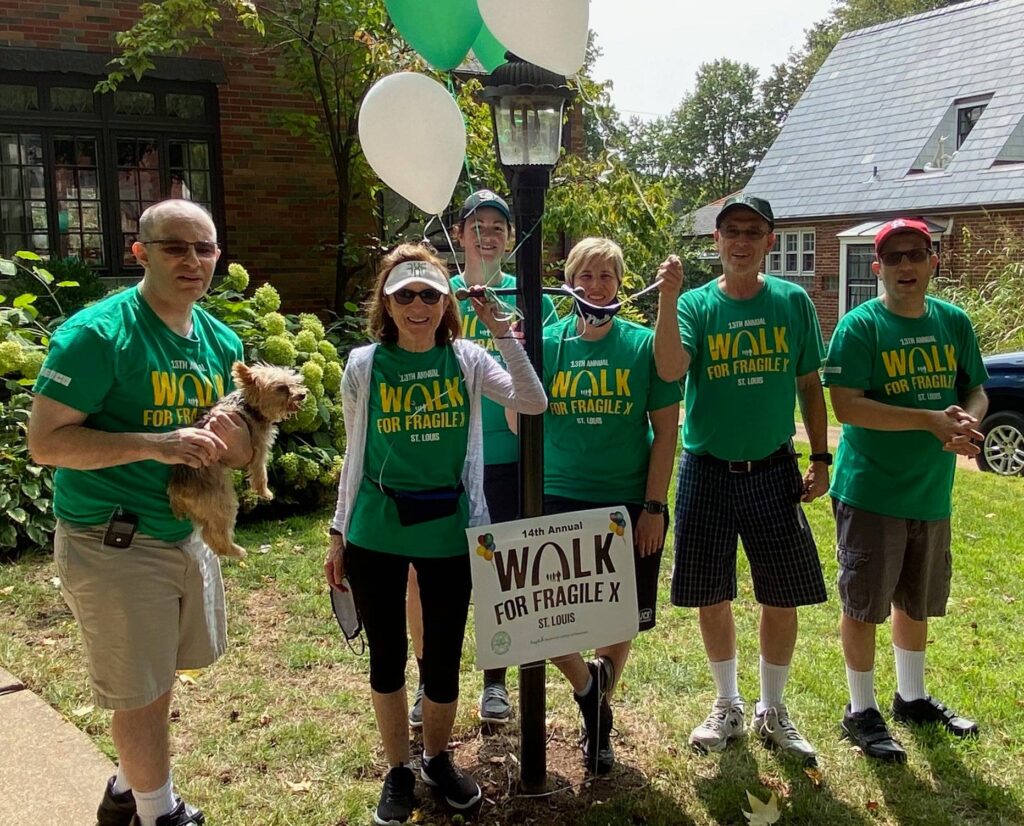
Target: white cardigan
{"x": 517, "y": 388}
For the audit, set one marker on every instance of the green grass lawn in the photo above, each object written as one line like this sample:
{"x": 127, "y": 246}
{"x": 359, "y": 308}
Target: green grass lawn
{"x": 281, "y": 730}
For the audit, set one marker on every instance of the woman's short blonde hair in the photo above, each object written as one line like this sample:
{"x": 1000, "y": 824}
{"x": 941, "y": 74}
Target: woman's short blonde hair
{"x": 379, "y": 323}
{"x": 589, "y": 250}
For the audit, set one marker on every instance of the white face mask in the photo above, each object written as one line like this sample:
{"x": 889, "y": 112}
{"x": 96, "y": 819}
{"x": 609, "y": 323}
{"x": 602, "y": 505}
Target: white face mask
{"x": 347, "y": 615}
{"x": 593, "y": 314}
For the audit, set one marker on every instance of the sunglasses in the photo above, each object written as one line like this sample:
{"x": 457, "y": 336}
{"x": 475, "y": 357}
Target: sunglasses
{"x": 407, "y": 296}
{"x": 914, "y": 256}
{"x": 179, "y": 249}
{"x": 733, "y": 233}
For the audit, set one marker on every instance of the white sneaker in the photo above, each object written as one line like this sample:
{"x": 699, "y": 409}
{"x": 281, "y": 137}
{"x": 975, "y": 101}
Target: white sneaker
{"x": 777, "y": 731}
{"x": 724, "y": 723}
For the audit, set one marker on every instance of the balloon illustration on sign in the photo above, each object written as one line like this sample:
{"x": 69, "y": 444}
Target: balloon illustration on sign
{"x": 617, "y": 523}
{"x": 485, "y": 546}
{"x": 413, "y": 135}
{"x": 442, "y": 30}
{"x": 550, "y": 33}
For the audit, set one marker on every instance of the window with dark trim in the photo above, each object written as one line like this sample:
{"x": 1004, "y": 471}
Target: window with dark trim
{"x": 78, "y": 168}
{"x": 966, "y": 117}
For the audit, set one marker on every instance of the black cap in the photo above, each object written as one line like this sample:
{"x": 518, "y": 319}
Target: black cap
{"x": 484, "y": 198}
{"x": 751, "y": 202}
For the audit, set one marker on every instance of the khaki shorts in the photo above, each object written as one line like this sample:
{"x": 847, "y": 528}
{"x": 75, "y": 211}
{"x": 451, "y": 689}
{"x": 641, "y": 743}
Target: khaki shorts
{"x": 144, "y": 611}
{"x": 885, "y": 560}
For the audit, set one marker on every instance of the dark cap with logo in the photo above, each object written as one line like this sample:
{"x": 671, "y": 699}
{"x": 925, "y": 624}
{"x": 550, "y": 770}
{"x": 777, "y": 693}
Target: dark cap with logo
{"x": 751, "y": 202}
{"x": 890, "y": 228}
{"x": 484, "y": 198}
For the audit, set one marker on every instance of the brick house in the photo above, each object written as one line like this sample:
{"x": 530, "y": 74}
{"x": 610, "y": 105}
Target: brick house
{"x": 922, "y": 116}
{"x": 77, "y": 168}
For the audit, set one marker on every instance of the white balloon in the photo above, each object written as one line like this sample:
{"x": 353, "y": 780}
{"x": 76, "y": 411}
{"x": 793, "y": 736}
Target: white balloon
{"x": 413, "y": 136}
{"x": 550, "y": 33}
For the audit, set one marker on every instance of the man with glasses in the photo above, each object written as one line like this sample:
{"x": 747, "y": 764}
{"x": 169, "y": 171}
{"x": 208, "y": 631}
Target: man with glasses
{"x": 905, "y": 376}
{"x": 115, "y": 400}
{"x": 749, "y": 346}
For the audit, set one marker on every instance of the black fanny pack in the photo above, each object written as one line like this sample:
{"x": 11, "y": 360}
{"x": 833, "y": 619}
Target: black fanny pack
{"x": 418, "y": 506}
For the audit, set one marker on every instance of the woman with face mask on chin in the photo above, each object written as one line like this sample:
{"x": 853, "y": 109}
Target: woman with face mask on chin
{"x": 610, "y": 436}
{"x": 412, "y": 482}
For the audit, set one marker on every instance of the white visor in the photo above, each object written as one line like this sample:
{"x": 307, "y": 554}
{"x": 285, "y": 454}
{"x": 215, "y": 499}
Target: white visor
{"x": 416, "y": 272}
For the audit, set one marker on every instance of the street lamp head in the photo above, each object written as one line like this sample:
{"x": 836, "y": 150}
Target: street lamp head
{"x": 526, "y": 109}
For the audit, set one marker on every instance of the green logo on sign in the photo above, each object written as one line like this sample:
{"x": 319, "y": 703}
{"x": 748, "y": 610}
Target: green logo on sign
{"x": 501, "y": 643}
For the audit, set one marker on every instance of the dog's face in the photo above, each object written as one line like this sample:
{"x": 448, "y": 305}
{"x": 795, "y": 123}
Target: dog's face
{"x": 276, "y": 392}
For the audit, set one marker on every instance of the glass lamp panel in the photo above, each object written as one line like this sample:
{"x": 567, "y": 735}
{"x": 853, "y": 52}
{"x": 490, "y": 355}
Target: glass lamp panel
{"x": 529, "y": 130}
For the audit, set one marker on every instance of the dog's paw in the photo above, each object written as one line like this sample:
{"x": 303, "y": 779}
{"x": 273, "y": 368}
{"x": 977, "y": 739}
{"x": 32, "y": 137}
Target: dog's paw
{"x": 266, "y": 494}
{"x": 236, "y": 552}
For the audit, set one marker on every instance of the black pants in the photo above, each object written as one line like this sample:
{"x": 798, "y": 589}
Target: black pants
{"x": 379, "y": 589}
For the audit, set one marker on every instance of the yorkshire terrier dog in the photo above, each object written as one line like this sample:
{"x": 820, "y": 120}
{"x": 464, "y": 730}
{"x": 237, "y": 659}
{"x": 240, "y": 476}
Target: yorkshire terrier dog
{"x": 266, "y": 395}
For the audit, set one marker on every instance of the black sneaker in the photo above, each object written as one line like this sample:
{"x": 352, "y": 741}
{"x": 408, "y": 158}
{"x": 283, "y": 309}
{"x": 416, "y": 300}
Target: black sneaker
{"x": 397, "y": 798}
{"x": 459, "y": 789}
{"x": 867, "y": 730}
{"x": 115, "y": 809}
{"x": 598, "y": 756}
{"x": 180, "y": 815}
{"x": 929, "y": 710}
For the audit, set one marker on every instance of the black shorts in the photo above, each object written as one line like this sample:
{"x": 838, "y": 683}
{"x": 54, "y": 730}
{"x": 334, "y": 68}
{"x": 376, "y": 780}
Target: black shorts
{"x": 501, "y": 490}
{"x": 715, "y": 507}
{"x": 646, "y": 567}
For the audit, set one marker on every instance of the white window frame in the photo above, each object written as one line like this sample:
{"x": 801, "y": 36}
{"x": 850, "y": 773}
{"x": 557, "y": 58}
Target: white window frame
{"x": 775, "y": 262}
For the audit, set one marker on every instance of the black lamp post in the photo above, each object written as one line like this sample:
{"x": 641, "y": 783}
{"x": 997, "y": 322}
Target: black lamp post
{"x": 526, "y": 107}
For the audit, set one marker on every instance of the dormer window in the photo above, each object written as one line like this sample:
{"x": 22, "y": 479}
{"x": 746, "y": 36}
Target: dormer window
{"x": 966, "y": 117}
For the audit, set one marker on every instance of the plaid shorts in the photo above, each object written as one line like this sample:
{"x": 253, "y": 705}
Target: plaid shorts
{"x": 715, "y": 507}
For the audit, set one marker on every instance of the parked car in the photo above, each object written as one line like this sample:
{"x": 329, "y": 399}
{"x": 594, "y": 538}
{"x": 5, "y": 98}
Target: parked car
{"x": 1003, "y": 449}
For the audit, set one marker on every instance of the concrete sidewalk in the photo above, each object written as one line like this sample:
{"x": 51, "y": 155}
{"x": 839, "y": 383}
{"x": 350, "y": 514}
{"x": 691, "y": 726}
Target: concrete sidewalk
{"x": 51, "y": 774}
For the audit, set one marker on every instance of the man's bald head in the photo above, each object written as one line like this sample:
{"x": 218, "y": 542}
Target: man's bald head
{"x": 153, "y": 218}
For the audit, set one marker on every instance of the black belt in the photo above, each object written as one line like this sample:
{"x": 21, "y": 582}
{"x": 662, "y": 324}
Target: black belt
{"x": 783, "y": 454}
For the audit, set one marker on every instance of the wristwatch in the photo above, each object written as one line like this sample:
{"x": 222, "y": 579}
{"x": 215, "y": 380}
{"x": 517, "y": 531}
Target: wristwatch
{"x": 821, "y": 457}
{"x": 655, "y": 507}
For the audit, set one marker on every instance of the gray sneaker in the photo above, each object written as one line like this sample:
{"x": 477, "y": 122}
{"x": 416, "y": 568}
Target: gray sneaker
{"x": 416, "y": 712}
{"x": 494, "y": 705}
{"x": 724, "y": 723}
{"x": 778, "y": 732}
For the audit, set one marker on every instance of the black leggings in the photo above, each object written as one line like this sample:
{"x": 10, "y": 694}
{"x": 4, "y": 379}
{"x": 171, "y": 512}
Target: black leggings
{"x": 379, "y": 589}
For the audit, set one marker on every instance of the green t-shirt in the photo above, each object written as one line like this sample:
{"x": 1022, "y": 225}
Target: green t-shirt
{"x": 927, "y": 363}
{"x": 417, "y": 434}
{"x": 500, "y": 444}
{"x": 597, "y": 435}
{"x": 745, "y": 359}
{"x": 130, "y": 373}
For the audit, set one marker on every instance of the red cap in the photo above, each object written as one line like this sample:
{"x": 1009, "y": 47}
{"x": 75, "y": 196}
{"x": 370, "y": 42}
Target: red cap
{"x": 902, "y": 225}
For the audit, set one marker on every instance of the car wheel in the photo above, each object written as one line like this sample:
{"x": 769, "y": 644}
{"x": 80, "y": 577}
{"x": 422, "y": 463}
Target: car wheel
{"x": 1002, "y": 451}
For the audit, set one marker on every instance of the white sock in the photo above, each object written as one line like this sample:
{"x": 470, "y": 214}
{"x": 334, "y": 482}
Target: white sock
{"x": 586, "y": 688}
{"x": 862, "y": 690}
{"x": 151, "y": 805}
{"x": 121, "y": 784}
{"x": 723, "y": 673}
{"x": 773, "y": 683}
{"x": 910, "y": 674}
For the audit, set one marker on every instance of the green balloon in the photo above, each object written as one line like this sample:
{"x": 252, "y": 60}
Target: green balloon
{"x": 442, "y": 30}
{"x": 488, "y": 50}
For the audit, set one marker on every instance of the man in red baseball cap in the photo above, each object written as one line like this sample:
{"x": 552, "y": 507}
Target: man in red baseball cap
{"x": 905, "y": 376}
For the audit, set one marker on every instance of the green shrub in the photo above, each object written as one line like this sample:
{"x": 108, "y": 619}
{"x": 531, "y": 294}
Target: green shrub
{"x": 80, "y": 285}
{"x": 306, "y": 459}
{"x": 995, "y": 303}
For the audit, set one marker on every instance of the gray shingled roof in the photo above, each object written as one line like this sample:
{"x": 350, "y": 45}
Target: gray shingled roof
{"x": 878, "y": 101}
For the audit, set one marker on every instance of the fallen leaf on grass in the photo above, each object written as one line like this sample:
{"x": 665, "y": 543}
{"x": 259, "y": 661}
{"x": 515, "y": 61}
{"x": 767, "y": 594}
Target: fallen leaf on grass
{"x": 189, "y": 676}
{"x": 264, "y": 720}
{"x": 872, "y": 805}
{"x": 48, "y": 642}
{"x": 989, "y": 515}
{"x": 815, "y": 776}
{"x": 496, "y": 760}
{"x": 83, "y": 711}
{"x": 1008, "y": 599}
{"x": 301, "y": 787}
{"x": 55, "y": 582}
{"x": 8, "y": 590}
{"x": 762, "y": 813}
{"x": 263, "y": 549}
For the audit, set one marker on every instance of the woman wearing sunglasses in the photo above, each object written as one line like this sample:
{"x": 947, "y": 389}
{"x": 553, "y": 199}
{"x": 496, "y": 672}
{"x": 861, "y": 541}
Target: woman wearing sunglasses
{"x": 412, "y": 482}
{"x": 607, "y": 404}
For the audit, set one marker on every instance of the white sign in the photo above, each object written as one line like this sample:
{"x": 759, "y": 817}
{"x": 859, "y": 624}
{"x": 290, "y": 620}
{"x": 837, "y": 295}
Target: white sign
{"x": 552, "y": 585}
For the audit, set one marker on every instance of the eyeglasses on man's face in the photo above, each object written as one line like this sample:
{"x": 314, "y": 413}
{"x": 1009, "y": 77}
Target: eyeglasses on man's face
{"x": 914, "y": 256}
{"x": 407, "y": 296}
{"x": 749, "y": 234}
{"x": 179, "y": 249}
